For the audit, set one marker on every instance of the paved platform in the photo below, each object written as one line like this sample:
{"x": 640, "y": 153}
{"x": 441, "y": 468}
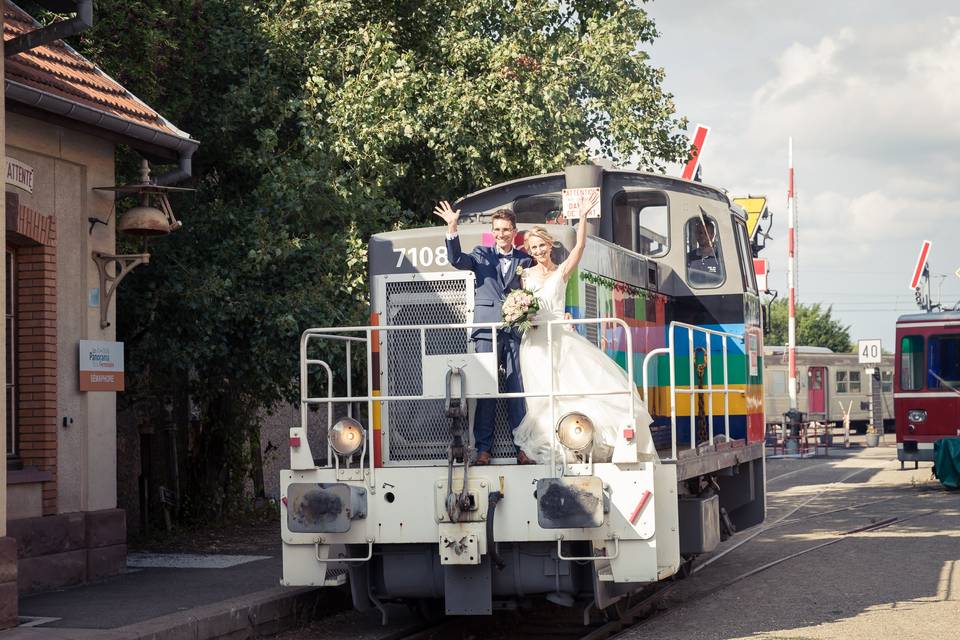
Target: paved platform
{"x": 196, "y": 597}
{"x": 822, "y": 574}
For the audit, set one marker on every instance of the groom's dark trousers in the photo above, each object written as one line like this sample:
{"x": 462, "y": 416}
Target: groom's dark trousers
{"x": 492, "y": 284}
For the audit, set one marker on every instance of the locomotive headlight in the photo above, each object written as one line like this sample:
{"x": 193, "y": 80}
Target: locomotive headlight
{"x": 346, "y": 436}
{"x": 575, "y": 431}
{"x": 917, "y": 415}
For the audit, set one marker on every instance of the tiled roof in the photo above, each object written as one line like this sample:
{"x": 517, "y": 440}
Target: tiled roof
{"x": 57, "y": 69}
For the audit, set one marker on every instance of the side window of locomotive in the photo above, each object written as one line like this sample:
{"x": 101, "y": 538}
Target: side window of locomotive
{"x": 540, "y": 209}
{"x": 841, "y": 379}
{"x": 745, "y": 255}
{"x": 703, "y": 254}
{"x": 912, "y": 372}
{"x": 855, "y": 382}
{"x": 943, "y": 360}
{"x": 641, "y": 221}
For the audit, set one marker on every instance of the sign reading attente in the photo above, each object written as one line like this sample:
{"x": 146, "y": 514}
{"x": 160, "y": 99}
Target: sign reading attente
{"x": 20, "y": 175}
{"x": 101, "y": 366}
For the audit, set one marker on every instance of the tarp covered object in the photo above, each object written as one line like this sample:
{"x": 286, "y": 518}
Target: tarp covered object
{"x": 946, "y": 462}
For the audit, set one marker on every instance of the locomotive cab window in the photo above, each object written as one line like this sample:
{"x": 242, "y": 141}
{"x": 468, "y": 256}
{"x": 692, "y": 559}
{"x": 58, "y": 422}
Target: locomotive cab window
{"x": 641, "y": 222}
{"x": 911, "y": 363}
{"x": 541, "y": 209}
{"x": 745, "y": 255}
{"x": 943, "y": 362}
{"x": 703, "y": 255}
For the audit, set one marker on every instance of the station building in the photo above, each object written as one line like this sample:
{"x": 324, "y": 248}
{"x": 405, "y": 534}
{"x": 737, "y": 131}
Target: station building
{"x": 62, "y": 121}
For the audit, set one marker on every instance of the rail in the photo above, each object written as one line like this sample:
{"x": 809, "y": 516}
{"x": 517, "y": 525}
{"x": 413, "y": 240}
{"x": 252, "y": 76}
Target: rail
{"x": 670, "y": 351}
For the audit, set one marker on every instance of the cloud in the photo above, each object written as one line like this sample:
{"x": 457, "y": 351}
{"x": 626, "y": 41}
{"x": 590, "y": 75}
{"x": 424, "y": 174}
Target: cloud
{"x": 802, "y": 68}
{"x": 881, "y": 94}
{"x": 870, "y": 94}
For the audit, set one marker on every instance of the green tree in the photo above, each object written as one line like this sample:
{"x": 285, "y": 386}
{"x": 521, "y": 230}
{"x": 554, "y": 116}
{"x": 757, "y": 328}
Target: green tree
{"x": 815, "y": 327}
{"x": 323, "y": 121}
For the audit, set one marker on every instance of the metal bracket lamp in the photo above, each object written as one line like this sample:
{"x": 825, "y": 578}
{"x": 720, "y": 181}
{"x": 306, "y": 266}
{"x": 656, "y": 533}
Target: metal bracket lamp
{"x": 145, "y": 221}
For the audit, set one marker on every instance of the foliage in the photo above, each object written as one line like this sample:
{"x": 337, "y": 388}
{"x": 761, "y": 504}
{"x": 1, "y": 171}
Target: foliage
{"x": 815, "y": 327}
{"x": 323, "y": 121}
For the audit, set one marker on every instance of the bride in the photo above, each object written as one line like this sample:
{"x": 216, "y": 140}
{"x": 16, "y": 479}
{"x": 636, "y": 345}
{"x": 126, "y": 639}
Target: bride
{"x": 578, "y": 366}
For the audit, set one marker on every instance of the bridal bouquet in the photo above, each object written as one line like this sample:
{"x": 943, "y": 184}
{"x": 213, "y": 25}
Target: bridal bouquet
{"x": 519, "y": 308}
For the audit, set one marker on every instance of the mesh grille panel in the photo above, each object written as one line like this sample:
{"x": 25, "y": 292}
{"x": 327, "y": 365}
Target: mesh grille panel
{"x": 418, "y": 429}
{"x": 590, "y": 311}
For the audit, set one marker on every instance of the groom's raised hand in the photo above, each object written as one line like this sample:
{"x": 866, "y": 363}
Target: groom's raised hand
{"x": 445, "y": 211}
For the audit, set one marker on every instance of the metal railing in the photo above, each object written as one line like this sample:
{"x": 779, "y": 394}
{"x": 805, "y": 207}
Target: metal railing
{"x": 372, "y": 332}
{"x": 670, "y": 350}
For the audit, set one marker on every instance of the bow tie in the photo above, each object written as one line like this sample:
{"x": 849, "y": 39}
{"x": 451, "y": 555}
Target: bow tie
{"x": 504, "y": 256}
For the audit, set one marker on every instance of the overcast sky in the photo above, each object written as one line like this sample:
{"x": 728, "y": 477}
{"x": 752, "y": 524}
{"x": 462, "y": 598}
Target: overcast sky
{"x": 870, "y": 92}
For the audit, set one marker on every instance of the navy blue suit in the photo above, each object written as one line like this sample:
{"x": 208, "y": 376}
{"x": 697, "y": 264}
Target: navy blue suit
{"x": 491, "y": 287}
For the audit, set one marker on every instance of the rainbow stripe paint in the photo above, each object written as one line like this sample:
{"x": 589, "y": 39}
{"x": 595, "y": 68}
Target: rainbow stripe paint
{"x": 647, "y": 318}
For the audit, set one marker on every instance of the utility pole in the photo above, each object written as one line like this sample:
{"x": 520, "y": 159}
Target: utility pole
{"x": 791, "y": 280}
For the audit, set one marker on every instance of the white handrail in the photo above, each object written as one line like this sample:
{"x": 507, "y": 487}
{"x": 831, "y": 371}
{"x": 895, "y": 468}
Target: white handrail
{"x": 338, "y": 334}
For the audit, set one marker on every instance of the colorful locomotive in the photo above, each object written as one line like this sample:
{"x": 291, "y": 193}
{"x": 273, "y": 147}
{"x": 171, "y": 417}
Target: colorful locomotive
{"x": 395, "y": 501}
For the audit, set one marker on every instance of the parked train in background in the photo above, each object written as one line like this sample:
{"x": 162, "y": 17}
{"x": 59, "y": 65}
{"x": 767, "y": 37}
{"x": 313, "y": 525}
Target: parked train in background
{"x": 927, "y": 383}
{"x": 830, "y": 385}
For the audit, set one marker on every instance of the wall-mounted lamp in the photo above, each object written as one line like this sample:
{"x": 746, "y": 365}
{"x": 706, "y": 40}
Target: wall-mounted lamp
{"x": 144, "y": 220}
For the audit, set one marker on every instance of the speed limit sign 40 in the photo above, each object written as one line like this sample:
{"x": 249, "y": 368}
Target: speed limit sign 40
{"x": 869, "y": 351}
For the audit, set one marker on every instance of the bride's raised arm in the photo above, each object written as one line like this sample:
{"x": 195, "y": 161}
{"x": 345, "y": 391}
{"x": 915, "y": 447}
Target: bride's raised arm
{"x": 568, "y": 265}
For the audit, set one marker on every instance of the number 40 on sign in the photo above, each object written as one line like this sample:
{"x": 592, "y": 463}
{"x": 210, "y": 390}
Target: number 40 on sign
{"x": 869, "y": 351}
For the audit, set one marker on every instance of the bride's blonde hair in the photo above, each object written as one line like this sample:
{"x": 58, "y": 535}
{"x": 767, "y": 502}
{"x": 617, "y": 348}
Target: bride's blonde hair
{"x": 537, "y": 232}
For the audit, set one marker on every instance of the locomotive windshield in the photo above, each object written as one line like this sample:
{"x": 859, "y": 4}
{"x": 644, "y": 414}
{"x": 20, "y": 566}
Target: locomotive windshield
{"x": 944, "y": 362}
{"x": 942, "y": 367}
{"x": 539, "y": 209}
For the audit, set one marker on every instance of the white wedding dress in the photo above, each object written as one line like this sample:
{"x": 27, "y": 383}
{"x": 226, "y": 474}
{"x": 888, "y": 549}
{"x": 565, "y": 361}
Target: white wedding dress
{"x": 579, "y": 367}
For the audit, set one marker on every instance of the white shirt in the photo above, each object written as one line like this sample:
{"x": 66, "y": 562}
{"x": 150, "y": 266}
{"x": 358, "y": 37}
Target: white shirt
{"x": 505, "y": 258}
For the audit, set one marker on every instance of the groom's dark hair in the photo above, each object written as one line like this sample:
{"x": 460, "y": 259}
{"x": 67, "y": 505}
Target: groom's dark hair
{"x": 504, "y": 214}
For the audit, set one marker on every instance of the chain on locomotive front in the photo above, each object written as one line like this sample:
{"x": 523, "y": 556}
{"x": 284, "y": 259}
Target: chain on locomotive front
{"x": 380, "y": 486}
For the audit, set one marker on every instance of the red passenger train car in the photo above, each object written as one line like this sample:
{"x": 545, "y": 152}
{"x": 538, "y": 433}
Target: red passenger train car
{"x": 926, "y": 395}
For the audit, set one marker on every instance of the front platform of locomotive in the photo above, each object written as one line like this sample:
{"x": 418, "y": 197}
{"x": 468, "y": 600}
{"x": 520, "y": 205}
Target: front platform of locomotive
{"x": 395, "y": 503}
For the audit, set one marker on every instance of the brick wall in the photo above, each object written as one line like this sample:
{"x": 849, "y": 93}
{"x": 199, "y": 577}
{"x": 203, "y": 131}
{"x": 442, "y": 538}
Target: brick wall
{"x": 36, "y": 336}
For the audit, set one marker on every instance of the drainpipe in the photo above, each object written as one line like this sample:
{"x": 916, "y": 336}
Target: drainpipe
{"x": 56, "y": 31}
{"x": 183, "y": 171}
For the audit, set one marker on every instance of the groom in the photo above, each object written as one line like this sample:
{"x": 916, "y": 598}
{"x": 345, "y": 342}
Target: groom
{"x": 496, "y": 274}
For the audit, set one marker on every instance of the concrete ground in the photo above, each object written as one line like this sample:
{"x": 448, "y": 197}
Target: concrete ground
{"x": 899, "y": 581}
{"x": 201, "y": 585}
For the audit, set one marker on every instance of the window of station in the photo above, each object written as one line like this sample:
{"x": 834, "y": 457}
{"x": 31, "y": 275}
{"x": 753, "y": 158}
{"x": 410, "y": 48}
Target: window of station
{"x": 911, "y": 363}
{"x": 540, "y": 209}
{"x": 703, "y": 254}
{"x": 943, "y": 360}
{"x": 11, "y": 341}
{"x": 641, "y": 222}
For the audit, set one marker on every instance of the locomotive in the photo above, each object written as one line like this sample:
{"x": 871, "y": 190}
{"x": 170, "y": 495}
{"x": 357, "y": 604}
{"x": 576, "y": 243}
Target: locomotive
{"x": 926, "y": 399}
{"x": 380, "y": 491}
